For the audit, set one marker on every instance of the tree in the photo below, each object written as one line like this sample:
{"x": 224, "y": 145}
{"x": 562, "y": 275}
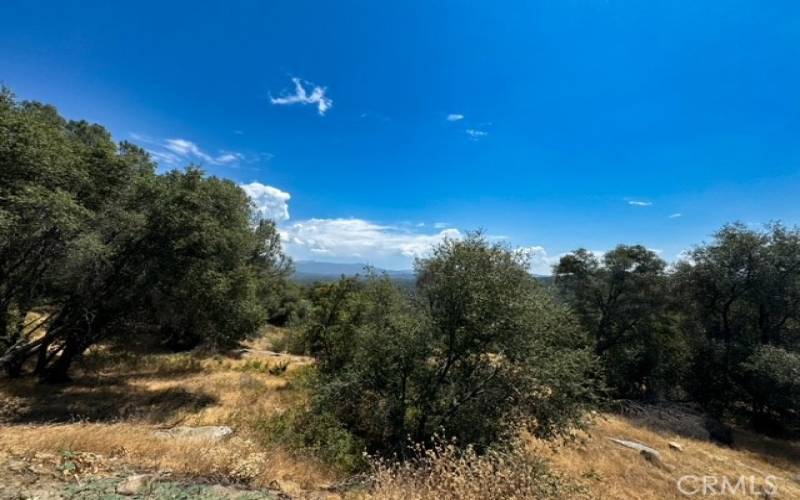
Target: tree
{"x": 741, "y": 294}
{"x": 477, "y": 349}
{"x": 622, "y": 299}
{"x": 88, "y": 229}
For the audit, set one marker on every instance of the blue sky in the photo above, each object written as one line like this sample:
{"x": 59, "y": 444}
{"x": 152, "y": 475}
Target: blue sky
{"x": 553, "y": 124}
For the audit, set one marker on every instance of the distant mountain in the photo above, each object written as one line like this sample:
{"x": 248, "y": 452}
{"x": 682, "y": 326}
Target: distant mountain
{"x": 311, "y": 270}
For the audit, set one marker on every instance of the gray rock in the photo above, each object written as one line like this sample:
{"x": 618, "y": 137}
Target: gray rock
{"x": 136, "y": 484}
{"x": 649, "y": 454}
{"x": 205, "y": 433}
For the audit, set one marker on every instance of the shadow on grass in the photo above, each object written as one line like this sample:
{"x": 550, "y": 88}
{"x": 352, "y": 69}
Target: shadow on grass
{"x": 95, "y": 400}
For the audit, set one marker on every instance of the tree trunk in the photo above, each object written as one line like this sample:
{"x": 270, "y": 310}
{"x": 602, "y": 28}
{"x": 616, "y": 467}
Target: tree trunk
{"x": 42, "y": 358}
{"x": 3, "y": 323}
{"x": 58, "y": 372}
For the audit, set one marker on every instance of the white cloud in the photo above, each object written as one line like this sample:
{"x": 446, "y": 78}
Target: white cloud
{"x": 454, "y": 117}
{"x": 165, "y": 157}
{"x": 271, "y": 202}
{"x": 476, "y": 134}
{"x": 675, "y": 215}
{"x": 640, "y": 203}
{"x": 300, "y": 96}
{"x": 539, "y": 261}
{"x": 189, "y": 150}
{"x": 441, "y": 225}
{"x": 229, "y": 157}
{"x": 185, "y": 148}
{"x": 348, "y": 240}
{"x": 178, "y": 151}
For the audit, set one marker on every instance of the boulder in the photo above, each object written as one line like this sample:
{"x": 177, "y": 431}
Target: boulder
{"x": 649, "y": 454}
{"x": 675, "y": 446}
{"x": 135, "y": 485}
{"x": 204, "y": 433}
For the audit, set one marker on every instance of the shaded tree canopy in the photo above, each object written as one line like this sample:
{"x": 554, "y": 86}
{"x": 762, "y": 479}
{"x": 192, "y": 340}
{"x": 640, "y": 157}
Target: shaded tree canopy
{"x": 88, "y": 229}
{"x": 623, "y": 301}
{"x": 741, "y": 298}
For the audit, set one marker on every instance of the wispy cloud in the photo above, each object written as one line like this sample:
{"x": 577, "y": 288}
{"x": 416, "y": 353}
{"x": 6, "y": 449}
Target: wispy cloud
{"x": 301, "y": 96}
{"x": 271, "y": 202}
{"x": 675, "y": 215}
{"x": 454, "y": 117}
{"x": 164, "y": 158}
{"x": 636, "y": 203}
{"x": 178, "y": 151}
{"x": 189, "y": 150}
{"x": 441, "y": 225}
{"x": 476, "y": 134}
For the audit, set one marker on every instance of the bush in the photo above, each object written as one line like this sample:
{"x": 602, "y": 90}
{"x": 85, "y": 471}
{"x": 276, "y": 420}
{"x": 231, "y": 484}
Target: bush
{"x": 319, "y": 434}
{"x": 476, "y": 350}
{"x": 773, "y": 383}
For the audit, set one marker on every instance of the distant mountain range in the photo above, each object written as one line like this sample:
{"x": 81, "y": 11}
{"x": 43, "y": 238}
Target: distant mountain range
{"x": 311, "y": 270}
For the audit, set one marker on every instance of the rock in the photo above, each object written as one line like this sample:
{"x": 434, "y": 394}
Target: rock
{"x": 136, "y": 484}
{"x": 654, "y": 458}
{"x": 205, "y": 433}
{"x": 649, "y": 454}
{"x": 675, "y": 446}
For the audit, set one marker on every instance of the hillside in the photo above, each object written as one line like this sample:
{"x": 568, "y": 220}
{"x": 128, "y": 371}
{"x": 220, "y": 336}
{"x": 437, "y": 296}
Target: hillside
{"x": 83, "y": 440}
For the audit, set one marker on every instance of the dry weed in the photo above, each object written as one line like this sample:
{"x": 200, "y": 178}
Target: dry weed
{"x": 445, "y": 472}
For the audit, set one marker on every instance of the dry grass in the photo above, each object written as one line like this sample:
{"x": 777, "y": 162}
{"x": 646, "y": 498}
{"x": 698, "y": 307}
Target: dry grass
{"x": 118, "y": 400}
{"x": 610, "y": 471}
{"x": 594, "y": 467}
{"x": 446, "y": 472}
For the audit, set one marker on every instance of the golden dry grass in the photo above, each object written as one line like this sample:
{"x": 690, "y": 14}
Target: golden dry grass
{"x": 117, "y": 401}
{"x": 611, "y": 471}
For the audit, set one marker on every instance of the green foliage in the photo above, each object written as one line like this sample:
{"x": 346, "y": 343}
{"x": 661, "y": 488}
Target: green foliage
{"x": 773, "y": 385}
{"x": 477, "y": 349}
{"x": 741, "y": 294}
{"x": 88, "y": 228}
{"x": 623, "y": 300}
{"x": 317, "y": 432}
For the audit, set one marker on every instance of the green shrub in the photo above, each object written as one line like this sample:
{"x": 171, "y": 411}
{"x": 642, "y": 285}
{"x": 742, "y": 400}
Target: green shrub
{"x": 319, "y": 434}
{"x": 773, "y": 383}
{"x": 477, "y": 350}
